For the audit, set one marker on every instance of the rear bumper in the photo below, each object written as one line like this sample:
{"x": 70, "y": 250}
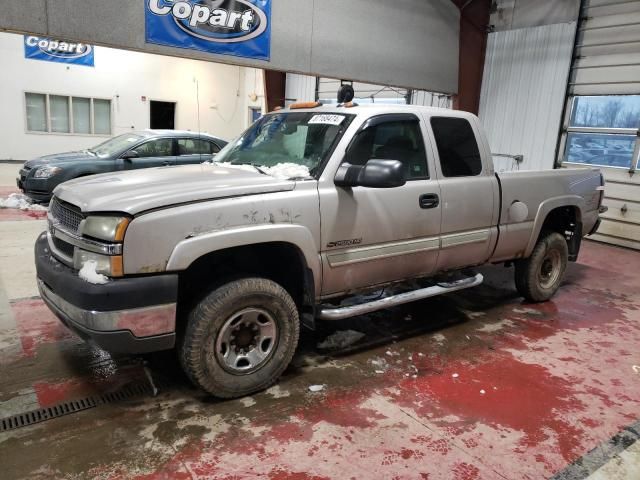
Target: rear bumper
{"x": 129, "y": 315}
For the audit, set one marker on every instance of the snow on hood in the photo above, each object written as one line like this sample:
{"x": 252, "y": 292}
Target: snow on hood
{"x": 281, "y": 171}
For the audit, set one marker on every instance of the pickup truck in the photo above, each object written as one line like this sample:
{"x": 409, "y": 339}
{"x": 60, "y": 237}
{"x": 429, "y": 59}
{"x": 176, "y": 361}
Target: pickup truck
{"x": 311, "y": 206}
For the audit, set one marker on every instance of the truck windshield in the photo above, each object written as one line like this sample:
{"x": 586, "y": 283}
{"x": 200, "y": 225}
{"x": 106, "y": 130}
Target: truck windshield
{"x": 116, "y": 145}
{"x": 286, "y": 140}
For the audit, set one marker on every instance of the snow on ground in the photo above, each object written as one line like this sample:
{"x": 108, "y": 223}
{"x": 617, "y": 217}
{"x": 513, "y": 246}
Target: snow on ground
{"x": 21, "y": 202}
{"x": 281, "y": 171}
{"x": 88, "y": 273}
{"x": 341, "y": 339}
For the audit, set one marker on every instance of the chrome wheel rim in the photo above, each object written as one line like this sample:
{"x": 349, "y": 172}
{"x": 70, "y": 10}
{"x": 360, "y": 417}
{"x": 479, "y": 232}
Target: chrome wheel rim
{"x": 246, "y": 341}
{"x": 549, "y": 272}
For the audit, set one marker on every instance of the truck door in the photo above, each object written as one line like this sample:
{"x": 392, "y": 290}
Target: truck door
{"x": 375, "y": 235}
{"x": 470, "y": 194}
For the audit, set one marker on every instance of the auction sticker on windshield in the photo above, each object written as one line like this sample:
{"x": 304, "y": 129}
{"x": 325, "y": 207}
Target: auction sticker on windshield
{"x": 327, "y": 119}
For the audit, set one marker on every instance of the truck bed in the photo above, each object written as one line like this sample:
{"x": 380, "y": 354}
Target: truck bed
{"x": 541, "y": 191}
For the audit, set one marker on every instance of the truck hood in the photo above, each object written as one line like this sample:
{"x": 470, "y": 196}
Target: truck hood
{"x": 60, "y": 158}
{"x": 135, "y": 191}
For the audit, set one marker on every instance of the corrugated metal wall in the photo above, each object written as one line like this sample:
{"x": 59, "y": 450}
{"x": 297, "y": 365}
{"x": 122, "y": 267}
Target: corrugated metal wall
{"x": 299, "y": 88}
{"x": 430, "y": 99}
{"x": 523, "y": 91}
{"x": 302, "y": 88}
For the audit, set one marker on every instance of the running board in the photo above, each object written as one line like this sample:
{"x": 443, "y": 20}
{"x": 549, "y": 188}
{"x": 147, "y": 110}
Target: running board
{"x": 340, "y": 313}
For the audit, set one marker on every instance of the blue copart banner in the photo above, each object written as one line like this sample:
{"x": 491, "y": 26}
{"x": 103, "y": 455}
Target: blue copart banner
{"x": 51, "y": 50}
{"x": 228, "y": 27}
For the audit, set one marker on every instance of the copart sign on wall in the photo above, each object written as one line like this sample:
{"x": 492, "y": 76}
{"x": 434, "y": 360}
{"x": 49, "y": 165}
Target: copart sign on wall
{"x": 40, "y": 48}
{"x": 229, "y": 27}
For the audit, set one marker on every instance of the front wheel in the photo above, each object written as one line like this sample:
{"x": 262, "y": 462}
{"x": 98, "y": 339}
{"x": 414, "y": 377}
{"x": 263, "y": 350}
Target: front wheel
{"x": 240, "y": 338}
{"x": 539, "y": 276}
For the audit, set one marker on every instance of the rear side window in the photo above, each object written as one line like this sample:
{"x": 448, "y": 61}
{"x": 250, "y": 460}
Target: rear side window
{"x": 457, "y": 147}
{"x": 192, "y": 146}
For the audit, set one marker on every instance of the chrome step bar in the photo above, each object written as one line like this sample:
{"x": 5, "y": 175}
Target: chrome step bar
{"x": 340, "y": 313}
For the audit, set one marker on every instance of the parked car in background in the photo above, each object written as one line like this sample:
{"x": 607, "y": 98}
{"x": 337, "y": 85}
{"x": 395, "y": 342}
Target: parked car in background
{"x": 130, "y": 151}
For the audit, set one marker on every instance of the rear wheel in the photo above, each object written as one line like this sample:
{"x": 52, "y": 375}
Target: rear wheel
{"x": 539, "y": 276}
{"x": 240, "y": 337}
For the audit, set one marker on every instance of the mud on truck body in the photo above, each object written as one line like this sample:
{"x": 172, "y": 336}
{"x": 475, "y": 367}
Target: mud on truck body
{"x": 225, "y": 261}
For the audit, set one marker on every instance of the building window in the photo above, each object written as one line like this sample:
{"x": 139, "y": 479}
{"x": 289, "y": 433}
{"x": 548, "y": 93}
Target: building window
{"x": 71, "y": 115}
{"x": 603, "y": 131}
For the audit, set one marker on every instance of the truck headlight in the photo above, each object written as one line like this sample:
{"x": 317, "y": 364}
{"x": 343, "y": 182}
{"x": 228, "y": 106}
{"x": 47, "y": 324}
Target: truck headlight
{"x": 109, "y": 265}
{"x": 111, "y": 229}
{"x": 47, "y": 172}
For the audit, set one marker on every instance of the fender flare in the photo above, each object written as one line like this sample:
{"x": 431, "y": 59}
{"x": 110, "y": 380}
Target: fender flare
{"x": 191, "y": 249}
{"x": 543, "y": 211}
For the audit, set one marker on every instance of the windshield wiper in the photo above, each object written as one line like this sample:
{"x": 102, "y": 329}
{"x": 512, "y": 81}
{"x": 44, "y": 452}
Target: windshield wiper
{"x": 88, "y": 150}
{"x": 251, "y": 165}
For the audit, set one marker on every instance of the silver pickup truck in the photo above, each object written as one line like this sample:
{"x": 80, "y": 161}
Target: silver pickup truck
{"x": 311, "y": 206}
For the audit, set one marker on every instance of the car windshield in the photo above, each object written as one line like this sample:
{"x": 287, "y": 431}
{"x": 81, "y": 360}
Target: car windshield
{"x": 295, "y": 143}
{"x": 116, "y": 145}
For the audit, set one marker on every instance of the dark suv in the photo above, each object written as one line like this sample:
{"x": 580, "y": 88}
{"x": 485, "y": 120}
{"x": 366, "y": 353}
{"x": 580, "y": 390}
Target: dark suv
{"x": 143, "y": 149}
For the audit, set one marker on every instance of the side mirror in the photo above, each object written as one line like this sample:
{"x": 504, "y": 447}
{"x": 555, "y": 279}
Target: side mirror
{"x": 130, "y": 155}
{"x": 375, "y": 174}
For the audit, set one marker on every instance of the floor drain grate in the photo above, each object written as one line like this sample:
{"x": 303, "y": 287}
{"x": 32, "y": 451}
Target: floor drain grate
{"x": 73, "y": 406}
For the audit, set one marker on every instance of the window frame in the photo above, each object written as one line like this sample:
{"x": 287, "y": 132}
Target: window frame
{"x": 71, "y": 131}
{"x": 376, "y": 120}
{"x": 568, "y": 129}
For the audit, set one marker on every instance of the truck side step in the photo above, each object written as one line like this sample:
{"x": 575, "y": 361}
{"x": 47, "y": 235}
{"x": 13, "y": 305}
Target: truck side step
{"x": 340, "y": 313}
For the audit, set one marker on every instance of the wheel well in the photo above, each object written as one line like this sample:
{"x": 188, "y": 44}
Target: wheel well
{"x": 278, "y": 261}
{"x": 566, "y": 221}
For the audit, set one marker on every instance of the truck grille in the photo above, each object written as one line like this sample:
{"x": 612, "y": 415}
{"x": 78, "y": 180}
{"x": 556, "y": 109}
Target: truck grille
{"x": 66, "y": 215}
{"x": 64, "y": 247}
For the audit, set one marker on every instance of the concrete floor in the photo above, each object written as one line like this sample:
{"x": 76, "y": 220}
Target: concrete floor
{"x": 475, "y": 385}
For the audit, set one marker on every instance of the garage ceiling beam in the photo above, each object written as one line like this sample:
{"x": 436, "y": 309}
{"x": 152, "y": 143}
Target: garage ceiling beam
{"x": 405, "y": 43}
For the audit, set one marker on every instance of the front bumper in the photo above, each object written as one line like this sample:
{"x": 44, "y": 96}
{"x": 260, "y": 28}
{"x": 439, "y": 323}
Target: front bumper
{"x": 39, "y": 189}
{"x": 128, "y": 315}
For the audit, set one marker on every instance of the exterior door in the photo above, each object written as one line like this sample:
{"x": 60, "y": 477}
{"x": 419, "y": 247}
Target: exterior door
{"x": 602, "y": 115}
{"x": 373, "y": 236}
{"x": 154, "y": 153}
{"x": 470, "y": 195}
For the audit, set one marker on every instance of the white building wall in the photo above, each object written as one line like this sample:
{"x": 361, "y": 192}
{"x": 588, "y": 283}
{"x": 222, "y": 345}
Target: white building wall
{"x": 523, "y": 90}
{"x": 225, "y": 94}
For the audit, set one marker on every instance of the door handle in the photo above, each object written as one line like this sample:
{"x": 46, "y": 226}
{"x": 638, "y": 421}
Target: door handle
{"x": 429, "y": 200}
{"x": 166, "y": 164}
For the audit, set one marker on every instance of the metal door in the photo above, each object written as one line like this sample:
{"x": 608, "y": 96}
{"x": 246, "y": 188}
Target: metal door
{"x": 602, "y": 115}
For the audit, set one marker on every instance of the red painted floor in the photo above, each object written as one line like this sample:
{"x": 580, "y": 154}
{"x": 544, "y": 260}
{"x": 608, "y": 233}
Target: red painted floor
{"x": 493, "y": 389}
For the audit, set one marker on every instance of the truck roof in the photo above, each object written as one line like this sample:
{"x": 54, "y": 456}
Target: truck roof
{"x": 371, "y": 109}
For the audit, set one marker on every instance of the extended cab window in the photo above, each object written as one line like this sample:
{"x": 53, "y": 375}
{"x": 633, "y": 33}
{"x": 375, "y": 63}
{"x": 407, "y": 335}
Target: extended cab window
{"x": 398, "y": 140}
{"x": 457, "y": 147}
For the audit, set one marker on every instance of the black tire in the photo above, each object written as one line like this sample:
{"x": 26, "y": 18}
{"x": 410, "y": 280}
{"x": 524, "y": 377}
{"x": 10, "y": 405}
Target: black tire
{"x": 539, "y": 276}
{"x": 208, "y": 359}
